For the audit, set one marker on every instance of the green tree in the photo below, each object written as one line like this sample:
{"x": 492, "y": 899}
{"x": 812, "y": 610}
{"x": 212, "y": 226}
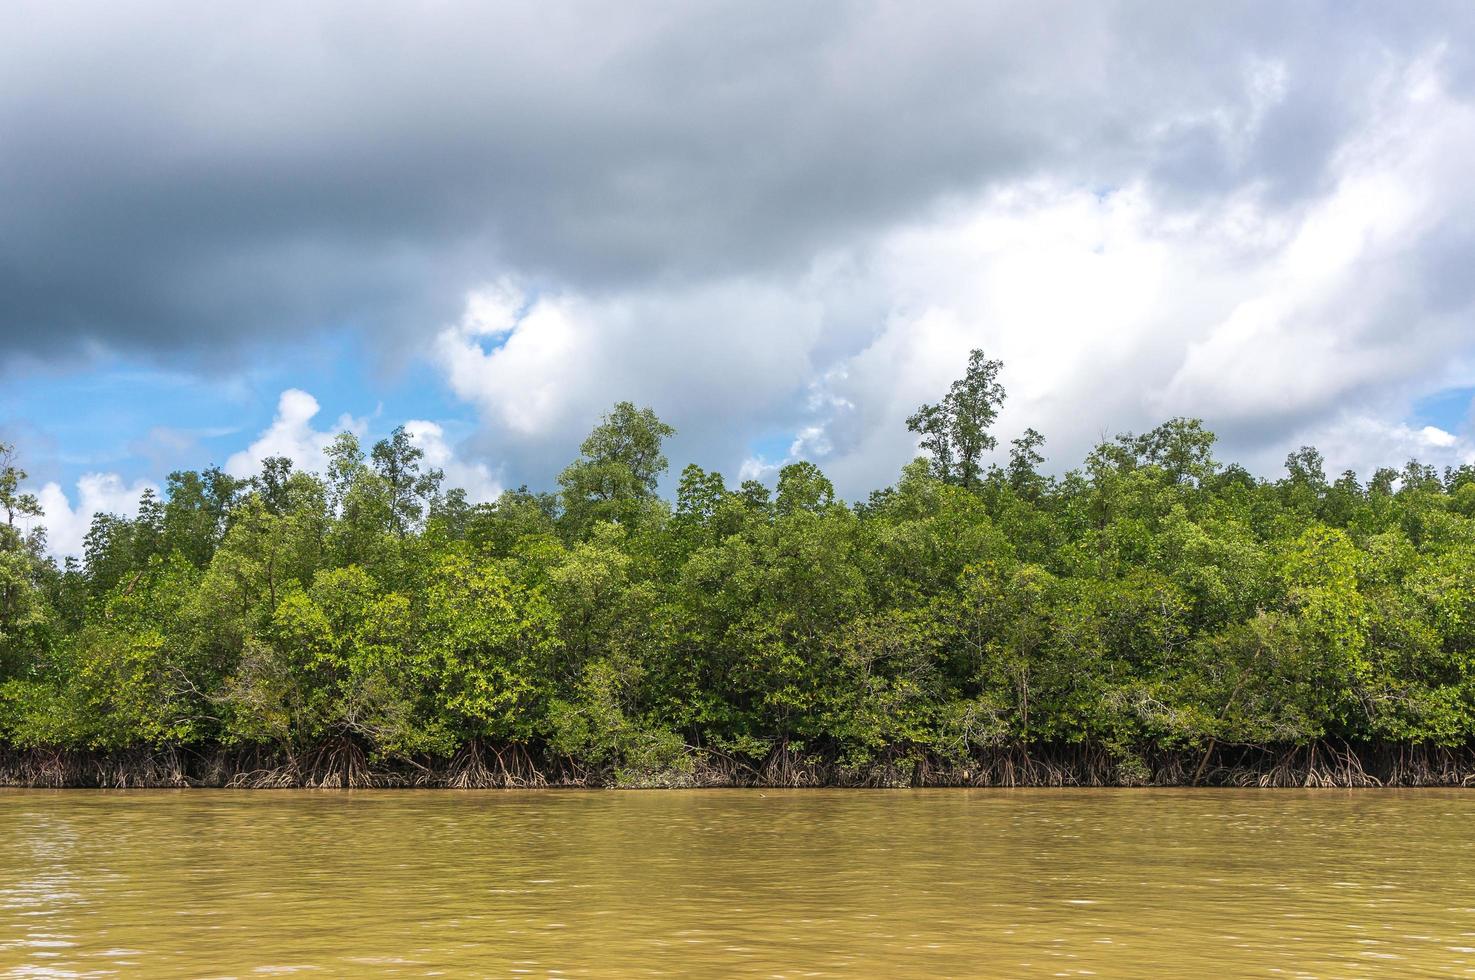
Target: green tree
{"x": 1024, "y": 462}
{"x": 619, "y": 465}
{"x": 411, "y": 489}
{"x": 488, "y": 648}
{"x": 22, "y": 604}
{"x": 955, "y": 431}
{"x": 197, "y": 512}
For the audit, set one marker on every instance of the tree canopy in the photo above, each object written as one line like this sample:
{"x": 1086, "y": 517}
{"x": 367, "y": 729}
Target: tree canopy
{"x": 1151, "y": 604}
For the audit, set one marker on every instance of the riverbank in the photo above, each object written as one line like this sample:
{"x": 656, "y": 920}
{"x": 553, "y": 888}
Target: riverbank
{"x": 345, "y": 765}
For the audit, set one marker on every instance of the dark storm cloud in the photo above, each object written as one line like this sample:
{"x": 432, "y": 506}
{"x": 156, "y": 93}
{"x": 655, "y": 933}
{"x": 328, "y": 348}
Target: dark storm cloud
{"x": 183, "y": 178}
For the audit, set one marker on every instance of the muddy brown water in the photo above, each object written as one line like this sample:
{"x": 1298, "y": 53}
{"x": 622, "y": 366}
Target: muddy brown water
{"x": 714, "y": 883}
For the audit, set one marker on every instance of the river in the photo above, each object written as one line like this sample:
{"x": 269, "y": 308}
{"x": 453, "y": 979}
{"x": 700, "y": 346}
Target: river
{"x": 714, "y": 883}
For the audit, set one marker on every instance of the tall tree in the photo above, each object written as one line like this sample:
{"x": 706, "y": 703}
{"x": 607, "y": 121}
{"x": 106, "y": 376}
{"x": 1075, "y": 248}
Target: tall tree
{"x": 411, "y": 489}
{"x": 1024, "y": 461}
{"x": 20, "y": 553}
{"x": 18, "y": 505}
{"x": 617, "y": 469}
{"x": 271, "y": 482}
{"x": 1181, "y": 447}
{"x": 955, "y": 431}
{"x": 198, "y": 511}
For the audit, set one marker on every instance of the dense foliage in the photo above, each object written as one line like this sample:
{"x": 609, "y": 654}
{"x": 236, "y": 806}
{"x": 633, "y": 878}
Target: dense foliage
{"x": 1151, "y": 600}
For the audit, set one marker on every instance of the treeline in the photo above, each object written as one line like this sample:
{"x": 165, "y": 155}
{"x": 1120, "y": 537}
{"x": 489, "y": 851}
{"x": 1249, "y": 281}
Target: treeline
{"x": 1152, "y": 616}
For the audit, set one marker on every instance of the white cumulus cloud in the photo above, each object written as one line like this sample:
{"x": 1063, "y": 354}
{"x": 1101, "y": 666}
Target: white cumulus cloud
{"x": 1280, "y": 322}
{"x": 477, "y": 479}
{"x": 96, "y": 493}
{"x": 291, "y": 434}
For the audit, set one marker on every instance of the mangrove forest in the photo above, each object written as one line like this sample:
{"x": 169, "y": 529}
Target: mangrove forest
{"x": 1152, "y": 616}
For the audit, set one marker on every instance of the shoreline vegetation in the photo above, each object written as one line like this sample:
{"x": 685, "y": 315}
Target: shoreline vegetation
{"x": 1152, "y": 617}
{"x": 1323, "y": 765}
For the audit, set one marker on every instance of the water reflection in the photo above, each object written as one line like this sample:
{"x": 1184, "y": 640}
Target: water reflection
{"x": 810, "y": 883}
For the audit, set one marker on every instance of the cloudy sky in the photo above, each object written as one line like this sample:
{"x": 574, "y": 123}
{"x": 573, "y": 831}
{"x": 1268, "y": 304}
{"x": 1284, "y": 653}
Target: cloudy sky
{"x": 230, "y": 231}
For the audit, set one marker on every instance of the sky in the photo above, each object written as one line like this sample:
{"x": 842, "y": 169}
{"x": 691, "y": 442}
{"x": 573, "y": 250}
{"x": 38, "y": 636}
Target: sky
{"x": 231, "y": 231}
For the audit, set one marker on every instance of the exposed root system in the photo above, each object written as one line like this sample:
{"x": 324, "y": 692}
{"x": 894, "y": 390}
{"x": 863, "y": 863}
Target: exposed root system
{"x": 342, "y": 763}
